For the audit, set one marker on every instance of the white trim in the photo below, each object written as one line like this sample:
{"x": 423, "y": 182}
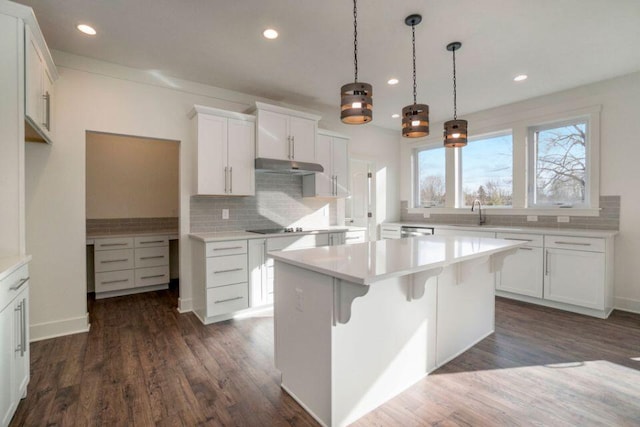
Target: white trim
{"x": 627, "y": 304}
{"x": 489, "y": 210}
{"x": 59, "y": 328}
{"x": 201, "y": 109}
{"x": 185, "y": 305}
{"x": 601, "y": 314}
{"x": 287, "y": 111}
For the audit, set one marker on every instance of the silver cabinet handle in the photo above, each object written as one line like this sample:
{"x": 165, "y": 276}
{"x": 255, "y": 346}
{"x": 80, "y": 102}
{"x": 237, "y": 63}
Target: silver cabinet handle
{"x": 20, "y": 344}
{"x": 289, "y": 146}
{"x": 525, "y": 249}
{"x": 293, "y": 147}
{"x": 152, "y": 257}
{"x": 228, "y": 248}
{"x": 114, "y": 260}
{"x": 20, "y": 284}
{"x": 227, "y": 271}
{"x": 351, "y": 238}
{"x": 108, "y": 282}
{"x": 225, "y": 179}
{"x": 113, "y": 244}
{"x": 523, "y": 240}
{"x": 231, "y": 179}
{"x": 152, "y": 241}
{"x": 227, "y": 300}
{"x": 546, "y": 262}
{"x": 573, "y": 243}
{"x": 47, "y": 110}
{"x": 152, "y": 277}
{"x": 23, "y": 336}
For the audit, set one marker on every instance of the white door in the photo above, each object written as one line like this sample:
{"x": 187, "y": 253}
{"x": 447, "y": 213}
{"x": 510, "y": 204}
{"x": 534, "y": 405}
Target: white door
{"x": 273, "y": 135}
{"x": 360, "y": 207}
{"x": 324, "y": 182}
{"x": 341, "y": 166}
{"x": 241, "y": 149}
{"x": 212, "y": 155}
{"x": 303, "y": 132}
{"x": 522, "y": 272}
{"x": 574, "y": 277}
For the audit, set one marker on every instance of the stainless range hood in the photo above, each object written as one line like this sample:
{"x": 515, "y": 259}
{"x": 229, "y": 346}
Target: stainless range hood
{"x": 290, "y": 167}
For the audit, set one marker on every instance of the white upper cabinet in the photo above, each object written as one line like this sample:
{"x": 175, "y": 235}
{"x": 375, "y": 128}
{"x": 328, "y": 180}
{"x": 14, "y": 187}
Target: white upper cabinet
{"x": 224, "y": 152}
{"x": 39, "y": 78}
{"x": 332, "y": 152}
{"x": 285, "y": 134}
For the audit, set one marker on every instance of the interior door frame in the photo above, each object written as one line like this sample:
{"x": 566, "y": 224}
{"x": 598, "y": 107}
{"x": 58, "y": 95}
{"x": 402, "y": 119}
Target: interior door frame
{"x": 371, "y": 167}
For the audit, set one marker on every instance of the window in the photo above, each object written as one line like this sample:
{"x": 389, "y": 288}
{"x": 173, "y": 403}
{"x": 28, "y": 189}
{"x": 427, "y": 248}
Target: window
{"x": 487, "y": 171}
{"x": 430, "y": 172}
{"x": 558, "y": 164}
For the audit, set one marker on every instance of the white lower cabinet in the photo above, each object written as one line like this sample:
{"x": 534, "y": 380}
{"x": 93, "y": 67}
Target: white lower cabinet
{"x": 390, "y": 231}
{"x": 523, "y": 272}
{"x": 125, "y": 265}
{"x": 14, "y": 336}
{"x": 352, "y": 237}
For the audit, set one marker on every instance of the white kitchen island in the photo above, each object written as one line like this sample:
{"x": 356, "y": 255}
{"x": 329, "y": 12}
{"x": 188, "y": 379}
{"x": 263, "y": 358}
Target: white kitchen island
{"x": 356, "y": 325}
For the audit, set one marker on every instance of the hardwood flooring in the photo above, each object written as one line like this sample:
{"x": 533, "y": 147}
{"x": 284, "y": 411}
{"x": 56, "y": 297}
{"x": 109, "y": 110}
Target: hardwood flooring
{"x": 143, "y": 364}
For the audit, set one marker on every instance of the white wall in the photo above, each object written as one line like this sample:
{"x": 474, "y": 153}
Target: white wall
{"x": 97, "y": 96}
{"x": 619, "y": 155}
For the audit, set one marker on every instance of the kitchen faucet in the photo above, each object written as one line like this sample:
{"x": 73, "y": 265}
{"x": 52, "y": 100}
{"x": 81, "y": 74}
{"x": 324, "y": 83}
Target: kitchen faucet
{"x": 481, "y": 219}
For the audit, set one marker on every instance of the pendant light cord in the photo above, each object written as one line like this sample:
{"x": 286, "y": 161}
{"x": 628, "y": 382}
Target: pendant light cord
{"x": 455, "y": 103}
{"x": 413, "y": 42}
{"x": 355, "y": 39}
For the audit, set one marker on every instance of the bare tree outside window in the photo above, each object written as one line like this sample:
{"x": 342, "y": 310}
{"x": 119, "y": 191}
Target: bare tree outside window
{"x": 430, "y": 166}
{"x": 560, "y": 164}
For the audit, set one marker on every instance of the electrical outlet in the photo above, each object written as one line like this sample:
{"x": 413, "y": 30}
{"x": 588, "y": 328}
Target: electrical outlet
{"x": 563, "y": 219}
{"x": 426, "y": 215}
{"x": 299, "y": 299}
{"x": 532, "y": 218}
{"x": 225, "y": 213}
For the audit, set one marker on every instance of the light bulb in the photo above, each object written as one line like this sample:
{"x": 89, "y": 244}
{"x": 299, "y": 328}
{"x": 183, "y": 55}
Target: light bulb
{"x": 415, "y": 123}
{"x": 455, "y": 135}
{"x": 356, "y": 105}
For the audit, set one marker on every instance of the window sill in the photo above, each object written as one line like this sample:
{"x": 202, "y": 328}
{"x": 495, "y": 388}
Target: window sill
{"x": 509, "y": 211}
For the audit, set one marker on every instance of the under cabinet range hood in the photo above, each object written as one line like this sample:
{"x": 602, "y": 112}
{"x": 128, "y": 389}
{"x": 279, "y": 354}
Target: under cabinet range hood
{"x": 290, "y": 167}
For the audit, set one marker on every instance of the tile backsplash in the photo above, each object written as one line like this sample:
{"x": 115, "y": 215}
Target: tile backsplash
{"x": 608, "y": 219}
{"x": 278, "y": 203}
{"x": 101, "y": 227}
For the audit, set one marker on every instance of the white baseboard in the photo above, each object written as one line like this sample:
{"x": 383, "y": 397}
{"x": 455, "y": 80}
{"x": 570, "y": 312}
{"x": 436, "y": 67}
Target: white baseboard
{"x": 59, "y": 328}
{"x": 627, "y": 304}
{"x": 185, "y": 305}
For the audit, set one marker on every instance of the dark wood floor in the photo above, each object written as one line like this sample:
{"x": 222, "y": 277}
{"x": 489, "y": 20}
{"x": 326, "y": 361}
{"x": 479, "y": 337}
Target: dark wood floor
{"x": 143, "y": 364}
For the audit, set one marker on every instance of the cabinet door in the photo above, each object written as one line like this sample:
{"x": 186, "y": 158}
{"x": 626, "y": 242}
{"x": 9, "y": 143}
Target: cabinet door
{"x": 241, "y": 154}
{"x": 34, "y": 70}
{"x": 336, "y": 239}
{"x": 257, "y": 273}
{"x": 340, "y": 154}
{"x": 522, "y": 273}
{"x": 47, "y": 93}
{"x": 575, "y": 277}
{"x": 303, "y": 134}
{"x": 6, "y": 360}
{"x": 273, "y": 135}
{"x": 212, "y": 155}
{"x": 324, "y": 180}
{"x": 21, "y": 337}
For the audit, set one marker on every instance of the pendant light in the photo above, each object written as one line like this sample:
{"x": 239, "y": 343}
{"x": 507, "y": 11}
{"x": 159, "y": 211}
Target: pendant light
{"x": 455, "y": 131}
{"x": 415, "y": 118}
{"x": 356, "y": 102}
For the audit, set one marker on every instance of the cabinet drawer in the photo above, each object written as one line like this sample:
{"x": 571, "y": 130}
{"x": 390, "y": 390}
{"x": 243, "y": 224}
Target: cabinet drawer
{"x": 226, "y": 248}
{"x": 151, "y": 241}
{"x": 226, "y": 299}
{"x": 226, "y": 270}
{"x": 113, "y": 243}
{"x": 591, "y": 244}
{"x": 152, "y": 257}
{"x": 121, "y": 259}
{"x": 352, "y": 237}
{"x": 152, "y": 276}
{"x": 532, "y": 240}
{"x": 114, "y": 280}
{"x": 17, "y": 280}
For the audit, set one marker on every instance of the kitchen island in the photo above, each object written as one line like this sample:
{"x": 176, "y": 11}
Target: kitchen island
{"x": 356, "y": 325}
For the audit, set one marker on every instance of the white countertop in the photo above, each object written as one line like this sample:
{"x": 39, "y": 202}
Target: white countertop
{"x": 514, "y": 229}
{"x": 243, "y": 235}
{"x": 10, "y": 264}
{"x": 366, "y": 263}
{"x": 172, "y": 235}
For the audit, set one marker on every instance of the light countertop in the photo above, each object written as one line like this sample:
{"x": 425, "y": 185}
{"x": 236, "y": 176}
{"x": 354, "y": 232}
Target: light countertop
{"x": 514, "y": 229}
{"x": 10, "y": 264}
{"x": 173, "y": 235}
{"x": 244, "y": 235}
{"x": 366, "y": 263}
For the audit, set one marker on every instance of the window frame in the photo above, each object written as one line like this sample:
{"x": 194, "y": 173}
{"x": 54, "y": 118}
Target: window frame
{"x": 416, "y": 175}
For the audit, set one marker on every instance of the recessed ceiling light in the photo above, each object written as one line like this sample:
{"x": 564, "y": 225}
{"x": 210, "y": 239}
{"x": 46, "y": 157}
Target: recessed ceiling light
{"x": 392, "y": 81}
{"x": 87, "y": 29}
{"x": 270, "y": 33}
{"x": 520, "y": 78}
{"x": 395, "y": 116}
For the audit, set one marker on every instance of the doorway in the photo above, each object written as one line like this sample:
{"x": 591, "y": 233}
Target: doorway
{"x": 360, "y": 207}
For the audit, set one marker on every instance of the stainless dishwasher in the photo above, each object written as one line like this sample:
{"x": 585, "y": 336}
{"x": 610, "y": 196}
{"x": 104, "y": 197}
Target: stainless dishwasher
{"x": 407, "y": 231}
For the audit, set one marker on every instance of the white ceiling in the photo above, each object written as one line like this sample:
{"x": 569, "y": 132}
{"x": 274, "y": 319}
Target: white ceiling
{"x": 559, "y": 43}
